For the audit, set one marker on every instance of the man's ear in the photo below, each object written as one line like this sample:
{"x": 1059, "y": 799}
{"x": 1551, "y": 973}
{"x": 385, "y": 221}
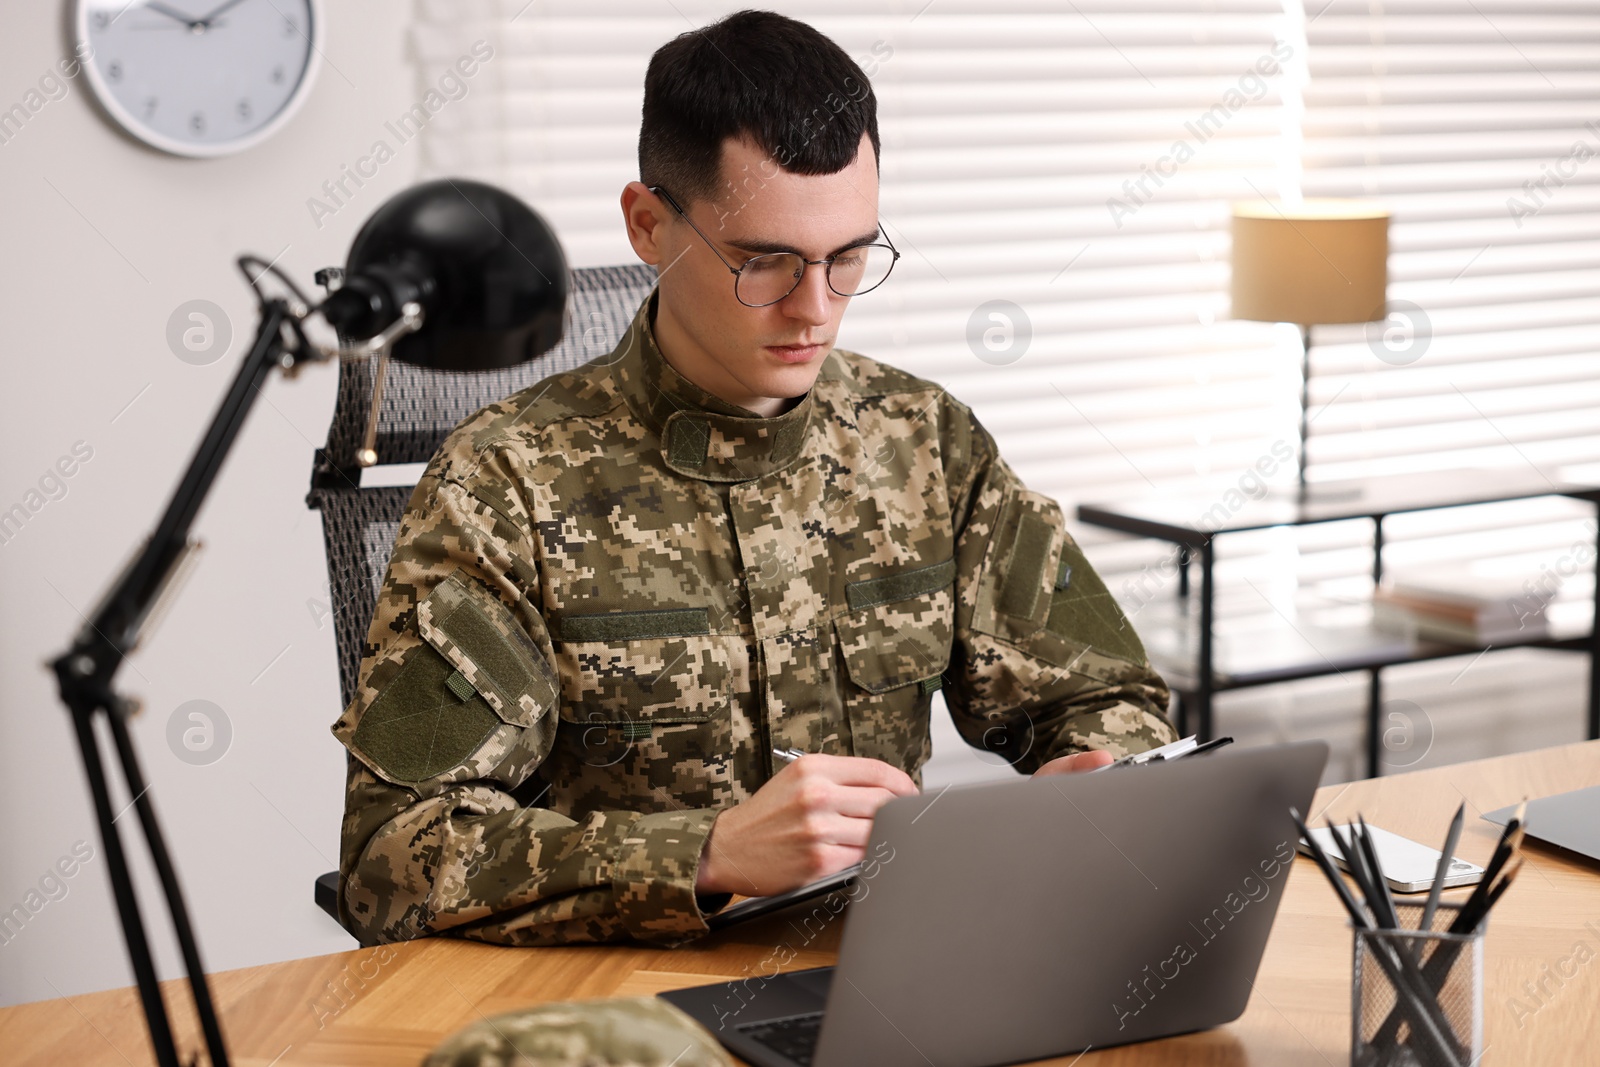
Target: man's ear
{"x": 645, "y": 215}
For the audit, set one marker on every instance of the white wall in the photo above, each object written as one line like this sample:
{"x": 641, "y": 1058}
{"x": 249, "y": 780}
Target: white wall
{"x": 102, "y": 239}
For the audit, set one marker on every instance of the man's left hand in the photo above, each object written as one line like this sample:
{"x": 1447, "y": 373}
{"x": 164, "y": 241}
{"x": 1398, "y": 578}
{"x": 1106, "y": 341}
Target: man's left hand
{"x": 1078, "y": 761}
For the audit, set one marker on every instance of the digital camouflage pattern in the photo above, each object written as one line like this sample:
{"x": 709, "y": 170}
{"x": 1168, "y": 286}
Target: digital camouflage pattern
{"x": 636, "y": 1032}
{"x": 613, "y": 595}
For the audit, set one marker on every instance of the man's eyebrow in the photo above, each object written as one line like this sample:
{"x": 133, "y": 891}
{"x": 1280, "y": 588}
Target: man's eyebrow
{"x": 758, "y": 246}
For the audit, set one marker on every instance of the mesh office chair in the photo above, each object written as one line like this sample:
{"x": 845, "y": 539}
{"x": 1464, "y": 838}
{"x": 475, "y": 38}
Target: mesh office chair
{"x": 420, "y": 407}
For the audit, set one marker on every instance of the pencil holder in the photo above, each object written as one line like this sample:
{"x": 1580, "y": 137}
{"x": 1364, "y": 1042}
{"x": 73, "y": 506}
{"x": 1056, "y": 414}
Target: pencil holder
{"x": 1417, "y": 997}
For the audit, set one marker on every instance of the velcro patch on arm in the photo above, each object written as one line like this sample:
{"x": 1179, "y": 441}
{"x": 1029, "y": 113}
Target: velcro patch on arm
{"x": 419, "y": 727}
{"x": 1024, "y": 577}
{"x": 1016, "y": 583}
{"x": 477, "y": 634}
{"x": 1085, "y": 612}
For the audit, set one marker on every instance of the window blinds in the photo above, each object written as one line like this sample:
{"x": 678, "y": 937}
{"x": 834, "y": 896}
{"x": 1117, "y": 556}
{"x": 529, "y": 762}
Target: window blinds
{"x": 1475, "y": 121}
{"x": 1478, "y": 123}
{"x": 1077, "y": 160}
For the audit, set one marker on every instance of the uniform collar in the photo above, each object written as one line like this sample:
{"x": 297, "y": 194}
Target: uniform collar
{"x": 702, "y": 436}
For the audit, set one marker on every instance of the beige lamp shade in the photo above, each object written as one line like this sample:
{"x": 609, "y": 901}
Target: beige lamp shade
{"x": 1319, "y": 261}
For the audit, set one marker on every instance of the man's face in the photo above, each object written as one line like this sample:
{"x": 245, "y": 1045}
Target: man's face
{"x": 754, "y": 357}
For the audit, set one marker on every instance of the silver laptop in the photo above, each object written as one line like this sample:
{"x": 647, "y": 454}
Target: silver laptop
{"x": 1021, "y": 920}
{"x": 1568, "y": 820}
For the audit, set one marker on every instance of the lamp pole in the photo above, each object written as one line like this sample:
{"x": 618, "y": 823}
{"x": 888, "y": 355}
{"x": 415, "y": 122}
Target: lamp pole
{"x": 1305, "y": 400}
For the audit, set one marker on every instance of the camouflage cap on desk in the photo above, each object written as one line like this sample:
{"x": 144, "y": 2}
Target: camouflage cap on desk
{"x": 636, "y": 1032}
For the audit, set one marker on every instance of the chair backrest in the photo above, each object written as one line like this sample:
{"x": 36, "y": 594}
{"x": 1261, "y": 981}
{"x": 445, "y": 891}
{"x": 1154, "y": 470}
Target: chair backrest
{"x": 420, "y": 408}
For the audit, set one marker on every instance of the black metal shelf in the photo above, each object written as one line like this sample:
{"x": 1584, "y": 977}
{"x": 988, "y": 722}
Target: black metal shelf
{"x": 1183, "y": 642}
{"x": 1171, "y": 646}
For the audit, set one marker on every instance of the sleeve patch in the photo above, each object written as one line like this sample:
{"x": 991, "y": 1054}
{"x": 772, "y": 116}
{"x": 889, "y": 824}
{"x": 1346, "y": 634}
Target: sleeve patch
{"x": 1086, "y": 613}
{"x": 491, "y": 651}
{"x": 1020, "y": 567}
{"x": 1025, "y": 574}
{"x": 419, "y": 727}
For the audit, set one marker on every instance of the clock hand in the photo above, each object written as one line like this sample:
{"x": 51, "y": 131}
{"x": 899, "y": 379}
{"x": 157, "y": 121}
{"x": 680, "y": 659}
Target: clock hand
{"x": 205, "y": 20}
{"x": 163, "y": 9}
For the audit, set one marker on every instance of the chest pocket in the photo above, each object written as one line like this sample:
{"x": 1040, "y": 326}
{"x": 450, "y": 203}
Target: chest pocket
{"x": 645, "y": 711}
{"x": 638, "y": 685}
{"x": 895, "y": 643}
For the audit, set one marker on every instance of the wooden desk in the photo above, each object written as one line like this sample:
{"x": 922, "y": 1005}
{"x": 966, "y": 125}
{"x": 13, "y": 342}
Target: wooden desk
{"x": 390, "y": 1005}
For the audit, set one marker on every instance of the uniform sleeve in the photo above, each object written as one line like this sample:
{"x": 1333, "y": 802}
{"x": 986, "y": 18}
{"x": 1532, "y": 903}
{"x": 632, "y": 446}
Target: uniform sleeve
{"x": 1045, "y": 662}
{"x": 455, "y": 710}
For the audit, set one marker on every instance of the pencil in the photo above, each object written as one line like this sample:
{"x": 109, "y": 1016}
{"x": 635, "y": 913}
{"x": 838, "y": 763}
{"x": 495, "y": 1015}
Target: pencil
{"x": 1412, "y": 990}
{"x": 1485, "y": 895}
{"x": 1356, "y": 868}
{"x": 1329, "y": 872}
{"x": 1510, "y": 840}
{"x": 1410, "y": 1001}
{"x": 1380, "y": 883}
{"x": 1451, "y": 839}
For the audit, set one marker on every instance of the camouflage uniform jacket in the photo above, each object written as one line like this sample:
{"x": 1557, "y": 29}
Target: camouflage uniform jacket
{"x": 613, "y": 595}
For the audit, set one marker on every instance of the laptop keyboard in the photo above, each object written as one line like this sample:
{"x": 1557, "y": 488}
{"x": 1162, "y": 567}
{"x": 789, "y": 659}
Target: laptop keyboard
{"x": 794, "y": 1037}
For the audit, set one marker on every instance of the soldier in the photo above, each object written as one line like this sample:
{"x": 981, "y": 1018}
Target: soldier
{"x": 616, "y": 593}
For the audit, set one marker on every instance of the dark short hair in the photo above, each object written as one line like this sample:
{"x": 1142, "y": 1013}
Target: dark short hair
{"x": 754, "y": 74}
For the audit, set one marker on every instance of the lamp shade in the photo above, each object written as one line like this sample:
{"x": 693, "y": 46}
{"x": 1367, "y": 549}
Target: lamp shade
{"x": 487, "y": 270}
{"x": 1319, "y": 261}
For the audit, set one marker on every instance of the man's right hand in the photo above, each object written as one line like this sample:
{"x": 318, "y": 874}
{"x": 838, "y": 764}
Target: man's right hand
{"x": 812, "y": 819}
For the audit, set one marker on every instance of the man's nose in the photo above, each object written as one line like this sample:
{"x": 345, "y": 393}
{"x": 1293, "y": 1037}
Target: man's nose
{"x": 811, "y": 301}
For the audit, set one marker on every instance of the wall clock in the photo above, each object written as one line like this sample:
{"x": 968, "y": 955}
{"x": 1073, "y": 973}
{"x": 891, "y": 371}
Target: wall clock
{"x": 200, "y": 77}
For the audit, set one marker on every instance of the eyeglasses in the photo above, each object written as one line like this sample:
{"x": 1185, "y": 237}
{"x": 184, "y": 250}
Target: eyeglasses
{"x": 768, "y": 278}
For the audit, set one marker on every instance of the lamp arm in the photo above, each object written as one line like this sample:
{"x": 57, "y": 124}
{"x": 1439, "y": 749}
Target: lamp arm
{"x": 85, "y": 673}
{"x": 511, "y": 313}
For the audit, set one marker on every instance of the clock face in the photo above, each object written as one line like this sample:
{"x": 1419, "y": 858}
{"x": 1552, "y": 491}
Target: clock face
{"x": 200, "y": 77}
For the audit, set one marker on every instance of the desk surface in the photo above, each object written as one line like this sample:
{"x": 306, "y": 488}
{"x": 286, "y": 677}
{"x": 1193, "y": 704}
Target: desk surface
{"x": 391, "y": 1004}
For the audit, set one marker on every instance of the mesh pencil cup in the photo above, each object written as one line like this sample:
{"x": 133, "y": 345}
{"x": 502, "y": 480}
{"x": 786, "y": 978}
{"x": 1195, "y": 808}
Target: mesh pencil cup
{"x": 1417, "y": 996}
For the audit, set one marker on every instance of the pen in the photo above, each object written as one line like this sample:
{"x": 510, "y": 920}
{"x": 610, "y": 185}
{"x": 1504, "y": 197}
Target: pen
{"x": 1186, "y": 746}
{"x": 787, "y": 755}
{"x": 1154, "y": 755}
{"x": 1215, "y": 742}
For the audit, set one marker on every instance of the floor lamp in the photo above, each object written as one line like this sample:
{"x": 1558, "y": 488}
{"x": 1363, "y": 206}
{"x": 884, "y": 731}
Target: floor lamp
{"x": 1311, "y": 263}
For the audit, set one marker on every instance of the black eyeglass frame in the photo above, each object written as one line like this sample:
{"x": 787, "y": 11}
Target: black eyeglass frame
{"x": 826, "y": 263}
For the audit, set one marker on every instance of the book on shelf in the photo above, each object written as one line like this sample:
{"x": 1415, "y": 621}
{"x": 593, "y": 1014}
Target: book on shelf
{"x": 1461, "y": 608}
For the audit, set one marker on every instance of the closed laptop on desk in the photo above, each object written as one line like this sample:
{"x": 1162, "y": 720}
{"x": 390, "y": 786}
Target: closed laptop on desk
{"x": 1028, "y": 919}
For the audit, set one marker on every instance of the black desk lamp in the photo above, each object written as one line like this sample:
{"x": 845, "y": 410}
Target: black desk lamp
{"x": 452, "y": 274}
